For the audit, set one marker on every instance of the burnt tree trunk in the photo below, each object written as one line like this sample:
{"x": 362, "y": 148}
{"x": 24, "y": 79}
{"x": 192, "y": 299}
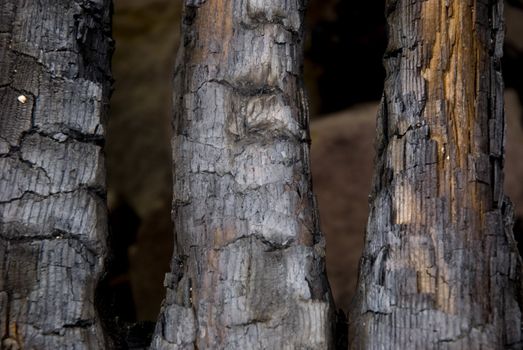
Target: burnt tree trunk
{"x": 248, "y": 269}
{"x": 440, "y": 267}
{"x": 54, "y": 90}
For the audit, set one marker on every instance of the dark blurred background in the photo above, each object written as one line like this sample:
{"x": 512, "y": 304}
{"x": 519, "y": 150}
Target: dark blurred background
{"x": 344, "y": 77}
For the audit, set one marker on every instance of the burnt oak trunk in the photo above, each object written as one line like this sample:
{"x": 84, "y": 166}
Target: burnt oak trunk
{"x": 248, "y": 269}
{"x": 440, "y": 268}
{"x": 54, "y": 89}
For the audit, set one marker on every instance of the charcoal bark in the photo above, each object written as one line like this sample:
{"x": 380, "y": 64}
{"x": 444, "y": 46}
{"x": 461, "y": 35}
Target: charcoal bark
{"x": 440, "y": 268}
{"x": 54, "y": 91}
{"x": 248, "y": 270}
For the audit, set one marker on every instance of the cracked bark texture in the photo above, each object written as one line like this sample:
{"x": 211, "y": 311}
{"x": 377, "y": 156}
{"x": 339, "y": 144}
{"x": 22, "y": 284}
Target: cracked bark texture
{"x": 54, "y": 91}
{"x": 248, "y": 269}
{"x": 440, "y": 268}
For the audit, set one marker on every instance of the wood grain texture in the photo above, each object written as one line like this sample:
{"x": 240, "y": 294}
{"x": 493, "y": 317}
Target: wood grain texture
{"x": 54, "y": 91}
{"x": 440, "y": 268}
{"x": 248, "y": 270}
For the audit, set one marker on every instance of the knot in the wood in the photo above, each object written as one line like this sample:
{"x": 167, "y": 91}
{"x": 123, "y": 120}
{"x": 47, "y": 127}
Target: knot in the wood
{"x": 10, "y": 344}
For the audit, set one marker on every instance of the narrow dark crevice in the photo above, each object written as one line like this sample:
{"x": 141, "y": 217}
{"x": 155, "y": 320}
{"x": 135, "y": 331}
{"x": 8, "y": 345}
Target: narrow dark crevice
{"x": 138, "y": 165}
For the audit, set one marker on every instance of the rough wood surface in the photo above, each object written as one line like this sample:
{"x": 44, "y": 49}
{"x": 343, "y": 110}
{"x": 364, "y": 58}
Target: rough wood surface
{"x": 440, "y": 268}
{"x": 248, "y": 270}
{"x": 54, "y": 89}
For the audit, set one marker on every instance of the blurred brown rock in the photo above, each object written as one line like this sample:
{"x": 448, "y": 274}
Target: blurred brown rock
{"x": 342, "y": 166}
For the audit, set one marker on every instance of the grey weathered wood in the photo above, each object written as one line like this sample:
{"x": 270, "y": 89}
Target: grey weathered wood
{"x": 248, "y": 270}
{"x": 440, "y": 268}
{"x": 54, "y": 90}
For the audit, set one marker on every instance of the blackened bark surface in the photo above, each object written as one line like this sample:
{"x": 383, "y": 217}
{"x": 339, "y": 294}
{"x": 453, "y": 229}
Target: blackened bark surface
{"x": 248, "y": 270}
{"x": 54, "y": 89}
{"x": 440, "y": 269}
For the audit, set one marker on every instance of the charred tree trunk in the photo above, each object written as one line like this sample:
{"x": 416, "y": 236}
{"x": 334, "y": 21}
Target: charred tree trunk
{"x": 440, "y": 267}
{"x": 248, "y": 270}
{"x": 54, "y": 89}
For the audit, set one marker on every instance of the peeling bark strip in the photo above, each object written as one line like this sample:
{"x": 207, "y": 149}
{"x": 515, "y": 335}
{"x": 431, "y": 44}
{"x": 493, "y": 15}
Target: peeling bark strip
{"x": 248, "y": 271}
{"x": 54, "y": 91}
{"x": 440, "y": 268}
